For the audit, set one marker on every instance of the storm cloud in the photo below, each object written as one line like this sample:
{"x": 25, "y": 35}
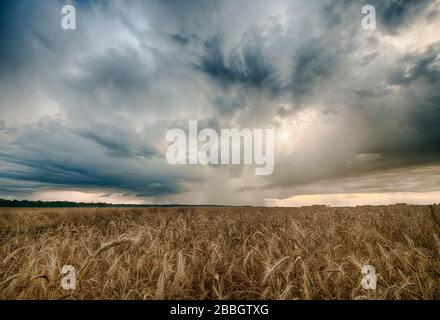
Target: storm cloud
{"x": 87, "y": 110}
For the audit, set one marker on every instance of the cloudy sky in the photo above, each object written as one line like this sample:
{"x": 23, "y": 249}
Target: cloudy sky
{"x": 84, "y": 113}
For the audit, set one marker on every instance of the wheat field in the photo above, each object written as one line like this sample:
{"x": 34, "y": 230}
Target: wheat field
{"x": 220, "y": 253}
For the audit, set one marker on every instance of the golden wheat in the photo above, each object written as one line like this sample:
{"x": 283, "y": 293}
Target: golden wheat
{"x": 220, "y": 253}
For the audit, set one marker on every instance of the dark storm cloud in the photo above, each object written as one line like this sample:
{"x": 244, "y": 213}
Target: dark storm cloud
{"x": 118, "y": 142}
{"x": 50, "y": 154}
{"x": 13, "y": 50}
{"x": 419, "y": 74}
{"x": 228, "y": 104}
{"x": 118, "y": 75}
{"x": 14, "y": 188}
{"x": 180, "y": 38}
{"x": 189, "y": 16}
{"x": 245, "y": 65}
{"x": 395, "y": 14}
{"x": 30, "y": 34}
{"x": 313, "y": 64}
{"x": 73, "y": 175}
{"x": 149, "y": 64}
{"x": 413, "y": 67}
{"x": 334, "y": 12}
{"x": 239, "y": 70}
